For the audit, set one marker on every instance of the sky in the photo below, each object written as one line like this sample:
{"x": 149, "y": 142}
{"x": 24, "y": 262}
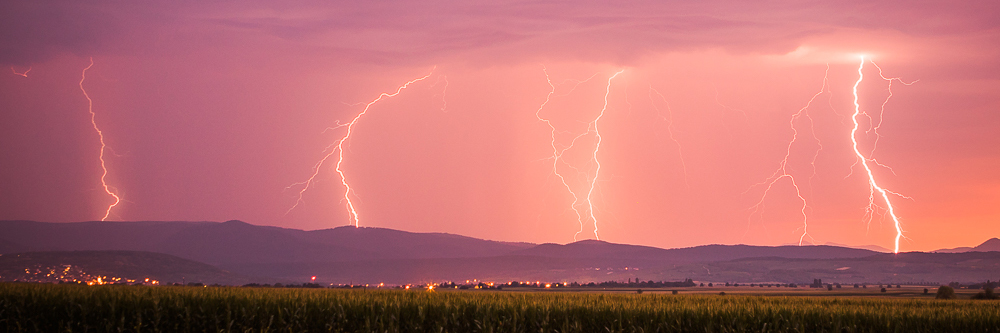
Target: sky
{"x": 702, "y": 114}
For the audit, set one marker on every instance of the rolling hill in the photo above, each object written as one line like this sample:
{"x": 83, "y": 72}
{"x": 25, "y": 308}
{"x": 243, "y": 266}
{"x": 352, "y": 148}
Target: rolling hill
{"x": 992, "y": 244}
{"x": 67, "y": 266}
{"x": 238, "y": 242}
{"x": 379, "y": 255}
{"x": 605, "y": 250}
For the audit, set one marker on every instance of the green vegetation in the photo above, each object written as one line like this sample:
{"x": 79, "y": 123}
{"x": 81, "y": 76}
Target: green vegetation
{"x": 75, "y": 308}
{"x": 986, "y": 294}
{"x": 945, "y": 292}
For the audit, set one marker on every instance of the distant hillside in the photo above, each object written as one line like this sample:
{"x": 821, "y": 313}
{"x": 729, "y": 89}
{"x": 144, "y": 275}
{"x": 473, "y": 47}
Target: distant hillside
{"x": 7, "y": 246}
{"x": 875, "y": 248}
{"x": 399, "y": 271}
{"x": 885, "y": 268}
{"x": 582, "y": 261}
{"x": 603, "y": 250}
{"x": 374, "y": 255}
{"x": 992, "y": 244}
{"x": 238, "y": 242}
{"x": 88, "y": 265}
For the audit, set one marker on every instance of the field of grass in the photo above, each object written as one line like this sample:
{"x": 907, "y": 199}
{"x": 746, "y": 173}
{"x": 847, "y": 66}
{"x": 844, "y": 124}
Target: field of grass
{"x": 909, "y": 292}
{"x": 74, "y": 308}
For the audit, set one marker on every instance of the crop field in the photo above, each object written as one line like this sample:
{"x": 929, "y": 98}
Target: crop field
{"x": 75, "y": 308}
{"x": 911, "y": 292}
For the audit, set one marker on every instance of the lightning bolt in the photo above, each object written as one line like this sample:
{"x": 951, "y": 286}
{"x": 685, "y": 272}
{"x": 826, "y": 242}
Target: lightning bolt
{"x": 872, "y": 185}
{"x": 782, "y": 171}
{"x": 24, "y": 74}
{"x": 727, "y": 108}
{"x": 873, "y": 127}
{"x": 557, "y": 153}
{"x": 444, "y": 92}
{"x": 337, "y": 148}
{"x": 93, "y": 121}
{"x": 597, "y": 147}
{"x": 670, "y": 128}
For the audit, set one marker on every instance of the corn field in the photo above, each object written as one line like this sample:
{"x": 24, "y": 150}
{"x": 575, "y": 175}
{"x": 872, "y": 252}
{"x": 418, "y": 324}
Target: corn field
{"x": 74, "y": 308}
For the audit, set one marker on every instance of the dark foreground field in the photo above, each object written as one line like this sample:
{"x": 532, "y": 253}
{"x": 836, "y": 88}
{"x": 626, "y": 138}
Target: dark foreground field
{"x": 74, "y": 308}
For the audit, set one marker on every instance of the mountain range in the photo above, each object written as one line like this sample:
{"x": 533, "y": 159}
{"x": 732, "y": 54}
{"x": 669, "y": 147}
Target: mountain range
{"x": 993, "y": 244}
{"x": 379, "y": 255}
{"x": 235, "y": 242}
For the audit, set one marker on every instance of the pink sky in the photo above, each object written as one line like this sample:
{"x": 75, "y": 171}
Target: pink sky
{"x": 211, "y": 110}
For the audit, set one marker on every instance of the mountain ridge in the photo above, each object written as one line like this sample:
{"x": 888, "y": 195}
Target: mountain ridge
{"x": 373, "y": 255}
{"x": 236, "y": 241}
{"x": 712, "y": 252}
{"x": 992, "y": 244}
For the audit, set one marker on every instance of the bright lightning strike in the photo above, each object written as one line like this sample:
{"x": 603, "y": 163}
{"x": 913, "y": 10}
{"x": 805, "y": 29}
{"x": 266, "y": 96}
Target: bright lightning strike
{"x": 558, "y": 153}
{"x": 783, "y": 173}
{"x": 24, "y": 74}
{"x": 597, "y": 147}
{"x": 93, "y": 121}
{"x": 872, "y": 185}
{"x": 338, "y": 148}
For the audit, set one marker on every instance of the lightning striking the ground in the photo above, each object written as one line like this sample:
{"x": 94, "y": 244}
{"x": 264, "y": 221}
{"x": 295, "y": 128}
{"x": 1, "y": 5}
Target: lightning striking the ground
{"x": 557, "y": 154}
{"x": 597, "y": 147}
{"x": 24, "y": 74}
{"x": 861, "y": 159}
{"x": 100, "y": 135}
{"x": 783, "y": 173}
{"x": 337, "y": 148}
